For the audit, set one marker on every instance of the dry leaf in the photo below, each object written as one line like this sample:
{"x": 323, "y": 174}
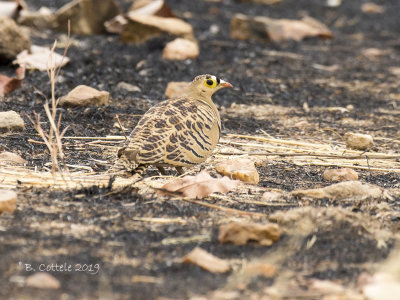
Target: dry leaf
{"x": 277, "y": 30}
{"x": 43, "y": 281}
{"x": 243, "y": 233}
{"x": 149, "y": 7}
{"x": 9, "y": 84}
{"x": 40, "y": 59}
{"x": 200, "y": 186}
{"x": 354, "y": 190}
{"x": 372, "y": 8}
{"x": 206, "y": 261}
{"x": 242, "y": 169}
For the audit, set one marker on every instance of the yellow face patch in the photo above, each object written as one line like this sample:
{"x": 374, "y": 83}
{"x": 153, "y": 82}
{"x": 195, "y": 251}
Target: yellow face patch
{"x": 210, "y": 82}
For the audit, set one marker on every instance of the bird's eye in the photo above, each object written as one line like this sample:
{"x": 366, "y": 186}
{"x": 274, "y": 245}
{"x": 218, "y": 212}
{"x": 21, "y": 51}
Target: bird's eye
{"x": 210, "y": 83}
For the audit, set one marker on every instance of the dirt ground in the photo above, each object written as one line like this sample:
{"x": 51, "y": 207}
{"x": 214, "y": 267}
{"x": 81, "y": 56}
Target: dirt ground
{"x": 134, "y": 238}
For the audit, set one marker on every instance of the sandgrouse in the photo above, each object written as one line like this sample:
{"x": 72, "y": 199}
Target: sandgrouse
{"x": 179, "y": 132}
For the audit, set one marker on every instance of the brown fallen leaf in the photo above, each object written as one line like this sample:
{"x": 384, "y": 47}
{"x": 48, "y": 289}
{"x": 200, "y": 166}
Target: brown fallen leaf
{"x": 243, "y": 233}
{"x": 206, "y": 261}
{"x": 242, "y": 169}
{"x": 200, "y": 186}
{"x": 39, "y": 58}
{"x": 9, "y": 84}
{"x": 277, "y": 30}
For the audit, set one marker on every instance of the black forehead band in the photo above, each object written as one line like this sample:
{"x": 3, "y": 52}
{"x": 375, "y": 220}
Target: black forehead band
{"x": 208, "y": 76}
{"x": 218, "y": 80}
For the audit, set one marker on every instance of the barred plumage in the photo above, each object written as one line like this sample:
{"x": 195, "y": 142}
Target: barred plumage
{"x": 179, "y": 132}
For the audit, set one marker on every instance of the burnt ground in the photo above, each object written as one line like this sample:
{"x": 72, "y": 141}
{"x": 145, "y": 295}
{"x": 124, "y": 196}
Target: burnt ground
{"x": 110, "y": 228}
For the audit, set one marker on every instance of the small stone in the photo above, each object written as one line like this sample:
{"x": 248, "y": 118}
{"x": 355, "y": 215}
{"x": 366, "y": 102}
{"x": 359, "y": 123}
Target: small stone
{"x": 11, "y": 121}
{"x": 271, "y": 196}
{"x": 8, "y": 201}
{"x": 84, "y": 95}
{"x": 43, "y": 281}
{"x": 358, "y": 141}
{"x": 128, "y": 87}
{"x": 372, "y": 8}
{"x": 344, "y": 174}
{"x": 352, "y": 190}
{"x": 206, "y": 261}
{"x": 86, "y": 16}
{"x": 181, "y": 49}
{"x": 11, "y": 158}
{"x": 242, "y": 169}
{"x": 176, "y": 89}
{"x": 13, "y": 39}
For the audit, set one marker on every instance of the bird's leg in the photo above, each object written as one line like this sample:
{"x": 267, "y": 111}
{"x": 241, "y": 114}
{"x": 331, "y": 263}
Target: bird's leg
{"x": 161, "y": 170}
{"x": 180, "y": 170}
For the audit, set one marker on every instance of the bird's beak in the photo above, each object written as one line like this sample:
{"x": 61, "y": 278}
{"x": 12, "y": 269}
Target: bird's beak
{"x": 225, "y": 84}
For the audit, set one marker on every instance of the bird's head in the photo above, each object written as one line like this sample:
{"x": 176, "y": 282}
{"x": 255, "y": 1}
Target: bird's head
{"x": 206, "y": 85}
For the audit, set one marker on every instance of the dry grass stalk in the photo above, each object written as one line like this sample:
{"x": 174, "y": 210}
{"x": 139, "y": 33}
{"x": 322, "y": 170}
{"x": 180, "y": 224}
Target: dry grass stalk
{"x": 53, "y": 138}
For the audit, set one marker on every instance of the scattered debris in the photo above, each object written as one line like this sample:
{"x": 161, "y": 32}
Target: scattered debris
{"x": 373, "y": 53}
{"x": 331, "y": 68}
{"x": 181, "y": 49}
{"x": 140, "y": 28}
{"x": 41, "y": 19}
{"x": 128, "y": 87}
{"x": 86, "y": 16}
{"x": 372, "y": 8}
{"x": 10, "y": 158}
{"x": 40, "y": 58}
{"x": 206, "y": 261}
{"x": 351, "y": 190}
{"x": 11, "y": 121}
{"x": 8, "y": 201}
{"x": 277, "y": 30}
{"x": 154, "y": 8}
{"x": 243, "y": 233}
{"x": 83, "y": 95}
{"x": 13, "y": 39}
{"x": 43, "y": 281}
{"x": 200, "y": 186}
{"x": 176, "y": 89}
{"x": 259, "y": 269}
{"x": 344, "y": 174}
{"x": 358, "y": 141}
{"x": 9, "y": 84}
{"x": 271, "y": 196}
{"x": 241, "y": 169}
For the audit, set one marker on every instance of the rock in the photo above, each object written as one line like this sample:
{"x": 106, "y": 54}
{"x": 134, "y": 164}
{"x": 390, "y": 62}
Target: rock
{"x": 382, "y": 286}
{"x": 242, "y": 233}
{"x": 242, "y": 169}
{"x": 128, "y": 87}
{"x": 140, "y": 28}
{"x": 181, "y": 49}
{"x": 43, "y": 281}
{"x": 84, "y": 95}
{"x": 358, "y": 141}
{"x": 354, "y": 190}
{"x": 8, "y": 201}
{"x": 11, "y": 121}
{"x": 176, "y": 89}
{"x": 13, "y": 40}
{"x": 277, "y": 30}
{"x": 206, "y": 261}
{"x": 86, "y": 16}
{"x": 10, "y": 158}
{"x": 8, "y": 9}
{"x": 344, "y": 174}
{"x": 41, "y": 19}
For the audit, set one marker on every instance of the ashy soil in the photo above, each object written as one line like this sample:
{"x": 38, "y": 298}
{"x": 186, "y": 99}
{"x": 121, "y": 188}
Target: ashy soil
{"x": 127, "y": 243}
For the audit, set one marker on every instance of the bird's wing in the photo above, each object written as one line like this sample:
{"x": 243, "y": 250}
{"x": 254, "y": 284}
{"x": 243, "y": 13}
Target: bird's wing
{"x": 178, "y": 132}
